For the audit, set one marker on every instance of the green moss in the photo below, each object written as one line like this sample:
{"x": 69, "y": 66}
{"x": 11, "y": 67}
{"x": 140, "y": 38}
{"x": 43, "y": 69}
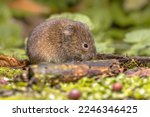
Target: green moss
{"x": 9, "y": 72}
{"x": 90, "y": 88}
{"x": 15, "y": 52}
{"x": 136, "y": 88}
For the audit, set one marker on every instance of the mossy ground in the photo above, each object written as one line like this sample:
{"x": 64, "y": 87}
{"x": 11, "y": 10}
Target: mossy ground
{"x": 94, "y": 88}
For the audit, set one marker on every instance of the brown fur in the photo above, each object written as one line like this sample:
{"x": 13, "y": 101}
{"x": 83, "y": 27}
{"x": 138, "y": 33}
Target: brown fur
{"x": 60, "y": 40}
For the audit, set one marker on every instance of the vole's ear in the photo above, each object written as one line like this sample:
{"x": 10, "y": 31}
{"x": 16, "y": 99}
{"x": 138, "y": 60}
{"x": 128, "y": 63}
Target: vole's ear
{"x": 68, "y": 30}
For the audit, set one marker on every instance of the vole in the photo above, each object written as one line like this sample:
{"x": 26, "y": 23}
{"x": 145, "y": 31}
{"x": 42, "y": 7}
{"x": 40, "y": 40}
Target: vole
{"x": 60, "y": 40}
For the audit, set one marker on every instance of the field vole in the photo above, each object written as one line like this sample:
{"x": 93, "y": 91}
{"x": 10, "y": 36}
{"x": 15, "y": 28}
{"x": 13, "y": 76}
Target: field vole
{"x": 60, "y": 40}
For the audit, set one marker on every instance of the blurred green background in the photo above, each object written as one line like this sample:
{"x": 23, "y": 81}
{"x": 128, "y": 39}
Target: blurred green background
{"x": 118, "y": 26}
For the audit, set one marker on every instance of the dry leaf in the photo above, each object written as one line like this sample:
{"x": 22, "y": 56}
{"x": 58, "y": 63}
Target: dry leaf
{"x": 7, "y": 61}
{"x": 141, "y": 72}
{"x": 28, "y": 6}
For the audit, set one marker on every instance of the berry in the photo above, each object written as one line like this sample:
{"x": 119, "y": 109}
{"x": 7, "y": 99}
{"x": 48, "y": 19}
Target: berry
{"x": 117, "y": 86}
{"x": 3, "y": 82}
{"x": 74, "y": 94}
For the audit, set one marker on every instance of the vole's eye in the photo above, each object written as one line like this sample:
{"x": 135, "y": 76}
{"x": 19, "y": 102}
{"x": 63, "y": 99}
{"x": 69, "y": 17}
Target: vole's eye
{"x": 85, "y": 45}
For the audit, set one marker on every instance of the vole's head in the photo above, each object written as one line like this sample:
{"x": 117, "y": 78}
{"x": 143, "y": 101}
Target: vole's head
{"x": 78, "y": 41}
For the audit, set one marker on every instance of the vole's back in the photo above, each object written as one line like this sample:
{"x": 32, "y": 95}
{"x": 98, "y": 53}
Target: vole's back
{"x": 58, "y": 40}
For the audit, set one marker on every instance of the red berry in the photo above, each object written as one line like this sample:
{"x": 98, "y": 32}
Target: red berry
{"x": 74, "y": 94}
{"x": 117, "y": 86}
{"x": 3, "y": 82}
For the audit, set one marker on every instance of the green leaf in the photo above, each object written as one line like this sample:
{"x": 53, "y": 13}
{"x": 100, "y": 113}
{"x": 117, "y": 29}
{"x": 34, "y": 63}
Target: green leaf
{"x": 10, "y": 31}
{"x": 139, "y": 41}
{"x": 138, "y": 36}
{"x": 99, "y": 12}
{"x": 76, "y": 17}
{"x": 10, "y": 35}
{"x": 104, "y": 48}
{"x": 4, "y": 13}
